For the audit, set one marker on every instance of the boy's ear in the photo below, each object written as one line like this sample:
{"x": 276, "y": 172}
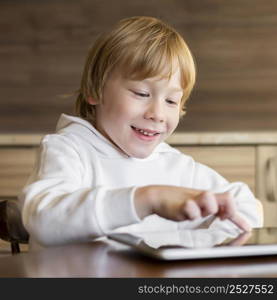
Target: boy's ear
{"x": 92, "y": 101}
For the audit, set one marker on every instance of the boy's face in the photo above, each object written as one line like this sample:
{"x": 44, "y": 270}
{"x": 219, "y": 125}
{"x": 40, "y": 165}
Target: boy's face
{"x": 138, "y": 115}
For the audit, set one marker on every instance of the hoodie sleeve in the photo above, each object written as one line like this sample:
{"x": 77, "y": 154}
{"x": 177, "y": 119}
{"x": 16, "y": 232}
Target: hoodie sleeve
{"x": 57, "y": 207}
{"x": 248, "y": 206}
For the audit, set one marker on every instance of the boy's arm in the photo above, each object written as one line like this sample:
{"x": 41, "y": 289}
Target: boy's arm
{"x": 180, "y": 204}
{"x": 234, "y": 201}
{"x": 60, "y": 206}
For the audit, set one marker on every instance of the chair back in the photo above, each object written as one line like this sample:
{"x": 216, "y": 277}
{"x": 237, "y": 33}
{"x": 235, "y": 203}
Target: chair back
{"x": 11, "y": 227}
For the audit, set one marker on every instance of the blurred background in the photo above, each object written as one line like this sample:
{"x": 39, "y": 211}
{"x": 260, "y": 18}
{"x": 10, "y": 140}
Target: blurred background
{"x": 43, "y": 45}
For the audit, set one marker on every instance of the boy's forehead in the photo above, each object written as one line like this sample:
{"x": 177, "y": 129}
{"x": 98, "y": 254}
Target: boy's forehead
{"x": 169, "y": 74}
{"x": 174, "y": 81}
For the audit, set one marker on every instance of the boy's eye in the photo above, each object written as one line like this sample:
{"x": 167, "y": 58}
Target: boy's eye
{"x": 171, "y": 101}
{"x": 141, "y": 94}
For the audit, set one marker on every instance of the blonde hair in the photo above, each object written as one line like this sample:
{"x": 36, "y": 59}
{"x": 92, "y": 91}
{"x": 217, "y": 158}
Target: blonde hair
{"x": 143, "y": 47}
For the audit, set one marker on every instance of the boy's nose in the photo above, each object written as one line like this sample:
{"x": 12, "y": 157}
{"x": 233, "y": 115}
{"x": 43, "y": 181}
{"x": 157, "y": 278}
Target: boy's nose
{"x": 155, "y": 112}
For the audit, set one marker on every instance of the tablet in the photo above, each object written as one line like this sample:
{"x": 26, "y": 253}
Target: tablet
{"x": 207, "y": 243}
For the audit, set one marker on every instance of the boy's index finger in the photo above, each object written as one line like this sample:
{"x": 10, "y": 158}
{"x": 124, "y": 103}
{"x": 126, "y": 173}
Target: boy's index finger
{"x": 228, "y": 210}
{"x": 227, "y": 205}
{"x": 241, "y": 222}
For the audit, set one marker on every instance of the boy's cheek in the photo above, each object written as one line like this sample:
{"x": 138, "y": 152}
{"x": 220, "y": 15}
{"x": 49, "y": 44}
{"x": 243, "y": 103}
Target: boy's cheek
{"x": 174, "y": 124}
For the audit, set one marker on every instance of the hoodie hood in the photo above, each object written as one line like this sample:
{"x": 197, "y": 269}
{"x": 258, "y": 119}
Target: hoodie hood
{"x": 70, "y": 124}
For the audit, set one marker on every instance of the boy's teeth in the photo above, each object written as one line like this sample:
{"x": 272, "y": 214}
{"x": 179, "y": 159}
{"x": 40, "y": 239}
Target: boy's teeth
{"x": 144, "y": 132}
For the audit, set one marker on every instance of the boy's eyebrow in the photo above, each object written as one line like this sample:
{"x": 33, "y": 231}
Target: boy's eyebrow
{"x": 172, "y": 89}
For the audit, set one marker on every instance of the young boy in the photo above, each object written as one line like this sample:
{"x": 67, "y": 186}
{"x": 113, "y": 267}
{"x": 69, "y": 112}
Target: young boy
{"x": 109, "y": 168}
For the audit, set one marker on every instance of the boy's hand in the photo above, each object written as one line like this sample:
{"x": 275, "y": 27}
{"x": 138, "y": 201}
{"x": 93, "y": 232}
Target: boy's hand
{"x": 179, "y": 204}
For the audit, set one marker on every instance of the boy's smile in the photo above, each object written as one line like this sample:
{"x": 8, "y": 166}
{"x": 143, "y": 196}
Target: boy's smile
{"x": 138, "y": 115}
{"x": 145, "y": 134}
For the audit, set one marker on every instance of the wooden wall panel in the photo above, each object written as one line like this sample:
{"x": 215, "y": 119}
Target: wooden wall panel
{"x": 16, "y": 165}
{"x": 43, "y": 45}
{"x": 234, "y": 163}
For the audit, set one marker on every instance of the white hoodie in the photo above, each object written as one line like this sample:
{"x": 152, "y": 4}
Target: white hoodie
{"x": 82, "y": 186}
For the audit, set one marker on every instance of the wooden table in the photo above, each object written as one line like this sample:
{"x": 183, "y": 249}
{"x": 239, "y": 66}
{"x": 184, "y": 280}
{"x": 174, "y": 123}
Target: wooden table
{"x": 111, "y": 259}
